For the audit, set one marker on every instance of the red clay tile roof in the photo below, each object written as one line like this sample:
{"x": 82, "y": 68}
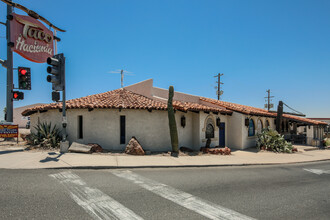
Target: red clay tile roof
{"x": 190, "y": 106}
{"x": 258, "y": 111}
{"x": 121, "y": 98}
{"x": 306, "y": 120}
{"x": 240, "y": 108}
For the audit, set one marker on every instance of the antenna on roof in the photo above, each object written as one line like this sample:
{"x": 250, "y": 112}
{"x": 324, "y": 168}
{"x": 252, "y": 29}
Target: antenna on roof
{"x": 122, "y": 73}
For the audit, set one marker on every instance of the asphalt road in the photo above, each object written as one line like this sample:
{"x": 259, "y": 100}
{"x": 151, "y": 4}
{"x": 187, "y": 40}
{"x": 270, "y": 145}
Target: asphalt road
{"x": 260, "y": 192}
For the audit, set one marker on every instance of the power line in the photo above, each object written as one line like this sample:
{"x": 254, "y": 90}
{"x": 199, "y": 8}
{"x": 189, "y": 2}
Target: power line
{"x": 293, "y": 109}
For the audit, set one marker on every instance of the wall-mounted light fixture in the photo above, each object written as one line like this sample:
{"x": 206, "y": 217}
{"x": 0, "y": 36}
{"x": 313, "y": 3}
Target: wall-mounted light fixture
{"x": 247, "y": 122}
{"x": 183, "y": 121}
{"x": 218, "y": 121}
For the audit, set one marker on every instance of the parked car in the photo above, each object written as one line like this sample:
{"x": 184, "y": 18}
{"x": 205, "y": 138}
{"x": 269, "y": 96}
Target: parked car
{"x": 27, "y": 126}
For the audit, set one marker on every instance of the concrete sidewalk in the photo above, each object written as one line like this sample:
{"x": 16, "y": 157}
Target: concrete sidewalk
{"x": 15, "y": 157}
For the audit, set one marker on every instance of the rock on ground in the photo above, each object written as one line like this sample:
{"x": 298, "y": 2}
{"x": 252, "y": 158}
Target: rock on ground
{"x": 134, "y": 148}
{"x": 96, "y": 148}
{"x": 80, "y": 148}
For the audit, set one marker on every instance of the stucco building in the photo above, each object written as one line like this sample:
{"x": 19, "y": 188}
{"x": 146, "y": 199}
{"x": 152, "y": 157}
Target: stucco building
{"x": 18, "y": 118}
{"x": 112, "y": 118}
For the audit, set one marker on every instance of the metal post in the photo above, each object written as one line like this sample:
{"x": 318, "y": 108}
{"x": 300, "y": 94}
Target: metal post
{"x": 64, "y": 117}
{"x": 64, "y": 143}
{"x": 9, "y": 70}
{"x": 219, "y": 86}
{"x": 55, "y": 42}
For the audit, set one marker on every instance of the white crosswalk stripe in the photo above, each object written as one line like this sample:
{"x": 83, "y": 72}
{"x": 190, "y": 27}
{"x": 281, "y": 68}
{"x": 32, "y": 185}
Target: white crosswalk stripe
{"x": 97, "y": 204}
{"x": 318, "y": 171}
{"x": 203, "y": 207}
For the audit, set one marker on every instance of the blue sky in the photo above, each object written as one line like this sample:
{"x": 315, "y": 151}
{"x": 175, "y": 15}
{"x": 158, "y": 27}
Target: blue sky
{"x": 281, "y": 45}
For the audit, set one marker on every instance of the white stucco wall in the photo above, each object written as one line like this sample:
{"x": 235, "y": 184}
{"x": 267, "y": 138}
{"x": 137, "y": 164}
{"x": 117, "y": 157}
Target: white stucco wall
{"x": 238, "y": 132}
{"x": 235, "y": 130}
{"x": 102, "y": 126}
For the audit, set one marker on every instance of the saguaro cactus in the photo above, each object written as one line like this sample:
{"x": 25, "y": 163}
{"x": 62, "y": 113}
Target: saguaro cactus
{"x": 171, "y": 121}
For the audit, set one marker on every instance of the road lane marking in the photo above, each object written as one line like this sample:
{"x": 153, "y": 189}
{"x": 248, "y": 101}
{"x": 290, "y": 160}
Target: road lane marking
{"x": 203, "y": 207}
{"x": 96, "y": 203}
{"x": 318, "y": 171}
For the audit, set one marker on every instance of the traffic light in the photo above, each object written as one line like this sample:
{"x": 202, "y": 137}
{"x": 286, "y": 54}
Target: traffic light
{"x": 18, "y": 95}
{"x": 57, "y": 71}
{"x": 55, "y": 96}
{"x": 24, "y": 78}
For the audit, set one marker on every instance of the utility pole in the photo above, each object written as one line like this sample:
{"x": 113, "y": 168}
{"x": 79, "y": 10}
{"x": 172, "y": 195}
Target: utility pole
{"x": 218, "y": 87}
{"x": 9, "y": 64}
{"x": 268, "y": 105}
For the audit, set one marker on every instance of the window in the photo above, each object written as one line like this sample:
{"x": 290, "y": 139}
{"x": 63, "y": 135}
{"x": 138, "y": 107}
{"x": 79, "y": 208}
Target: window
{"x": 209, "y": 131}
{"x": 259, "y": 126}
{"x": 251, "y": 128}
{"x": 267, "y": 124}
{"x": 122, "y": 129}
{"x": 80, "y": 127}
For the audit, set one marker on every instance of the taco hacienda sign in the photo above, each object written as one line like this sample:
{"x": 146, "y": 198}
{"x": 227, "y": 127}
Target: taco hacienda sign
{"x": 32, "y": 40}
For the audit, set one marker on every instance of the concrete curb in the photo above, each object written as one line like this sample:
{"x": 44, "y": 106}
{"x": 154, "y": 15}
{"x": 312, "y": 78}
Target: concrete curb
{"x": 167, "y": 166}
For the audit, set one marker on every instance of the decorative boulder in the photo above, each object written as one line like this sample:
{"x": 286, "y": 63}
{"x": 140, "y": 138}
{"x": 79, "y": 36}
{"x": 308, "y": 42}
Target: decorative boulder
{"x": 80, "y": 148}
{"x": 96, "y": 148}
{"x": 134, "y": 148}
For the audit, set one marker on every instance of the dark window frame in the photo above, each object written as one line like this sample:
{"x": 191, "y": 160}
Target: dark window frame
{"x": 252, "y": 130}
{"x": 122, "y": 125}
{"x": 209, "y": 131}
{"x": 80, "y": 127}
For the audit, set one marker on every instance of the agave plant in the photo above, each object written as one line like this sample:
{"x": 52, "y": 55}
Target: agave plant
{"x": 271, "y": 140}
{"x": 45, "y": 136}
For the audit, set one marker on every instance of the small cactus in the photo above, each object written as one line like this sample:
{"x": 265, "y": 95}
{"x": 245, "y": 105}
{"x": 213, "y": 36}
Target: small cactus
{"x": 172, "y": 122}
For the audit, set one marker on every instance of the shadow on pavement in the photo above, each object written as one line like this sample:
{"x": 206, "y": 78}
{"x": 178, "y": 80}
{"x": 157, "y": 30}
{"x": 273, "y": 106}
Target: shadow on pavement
{"x": 10, "y": 151}
{"x": 51, "y": 159}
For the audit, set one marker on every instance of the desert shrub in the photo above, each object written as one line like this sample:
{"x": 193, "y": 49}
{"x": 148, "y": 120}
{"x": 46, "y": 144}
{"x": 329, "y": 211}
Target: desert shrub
{"x": 271, "y": 140}
{"x": 45, "y": 136}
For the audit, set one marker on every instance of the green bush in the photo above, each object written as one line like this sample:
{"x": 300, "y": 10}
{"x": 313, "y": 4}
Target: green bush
{"x": 45, "y": 136}
{"x": 271, "y": 140}
{"x": 326, "y": 142}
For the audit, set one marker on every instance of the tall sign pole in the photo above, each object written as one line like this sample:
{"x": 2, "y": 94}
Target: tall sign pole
{"x": 9, "y": 64}
{"x": 64, "y": 120}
